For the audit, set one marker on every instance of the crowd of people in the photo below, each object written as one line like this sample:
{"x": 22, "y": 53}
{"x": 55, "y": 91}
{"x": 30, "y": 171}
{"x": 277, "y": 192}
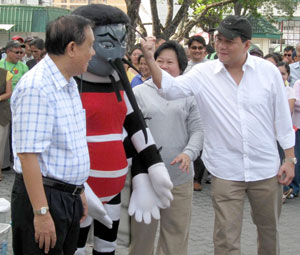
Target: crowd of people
{"x": 74, "y": 115}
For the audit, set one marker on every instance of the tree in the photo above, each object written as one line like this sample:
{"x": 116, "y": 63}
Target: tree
{"x": 206, "y": 14}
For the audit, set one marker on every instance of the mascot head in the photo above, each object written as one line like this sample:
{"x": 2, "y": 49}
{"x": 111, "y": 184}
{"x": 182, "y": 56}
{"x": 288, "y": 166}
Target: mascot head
{"x": 110, "y": 35}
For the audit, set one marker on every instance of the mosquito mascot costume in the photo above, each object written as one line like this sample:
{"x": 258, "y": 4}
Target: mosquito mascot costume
{"x": 116, "y": 131}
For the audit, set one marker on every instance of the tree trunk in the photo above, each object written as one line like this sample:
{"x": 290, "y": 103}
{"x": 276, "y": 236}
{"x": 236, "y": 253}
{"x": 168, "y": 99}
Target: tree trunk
{"x": 133, "y": 7}
{"x": 194, "y": 21}
{"x": 238, "y": 8}
{"x": 156, "y": 26}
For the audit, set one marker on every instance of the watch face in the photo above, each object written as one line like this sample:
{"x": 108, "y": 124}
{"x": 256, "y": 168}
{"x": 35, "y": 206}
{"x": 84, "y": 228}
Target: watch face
{"x": 43, "y": 210}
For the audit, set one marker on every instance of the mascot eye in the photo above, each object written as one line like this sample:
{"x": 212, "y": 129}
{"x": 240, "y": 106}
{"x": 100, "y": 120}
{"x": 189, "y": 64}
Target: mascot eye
{"x": 106, "y": 45}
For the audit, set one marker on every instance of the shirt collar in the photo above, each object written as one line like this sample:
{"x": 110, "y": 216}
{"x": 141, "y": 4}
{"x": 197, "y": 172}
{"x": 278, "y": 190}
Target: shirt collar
{"x": 249, "y": 62}
{"x": 58, "y": 79}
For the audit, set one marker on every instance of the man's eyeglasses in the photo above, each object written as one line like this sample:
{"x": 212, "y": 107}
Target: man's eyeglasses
{"x": 195, "y": 47}
{"x": 287, "y": 55}
{"x": 17, "y": 52}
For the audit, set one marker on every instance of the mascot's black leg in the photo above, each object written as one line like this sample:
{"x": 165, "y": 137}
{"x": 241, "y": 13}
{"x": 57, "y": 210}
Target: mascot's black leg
{"x": 105, "y": 240}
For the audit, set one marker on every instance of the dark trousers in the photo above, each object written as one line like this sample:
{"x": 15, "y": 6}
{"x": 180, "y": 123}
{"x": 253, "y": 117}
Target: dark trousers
{"x": 66, "y": 210}
{"x": 199, "y": 169}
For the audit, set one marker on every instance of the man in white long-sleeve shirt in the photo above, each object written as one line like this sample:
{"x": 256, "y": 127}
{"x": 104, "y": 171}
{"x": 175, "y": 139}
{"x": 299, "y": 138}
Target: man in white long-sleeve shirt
{"x": 244, "y": 110}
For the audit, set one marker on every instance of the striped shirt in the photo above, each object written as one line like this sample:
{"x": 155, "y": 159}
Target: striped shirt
{"x": 48, "y": 119}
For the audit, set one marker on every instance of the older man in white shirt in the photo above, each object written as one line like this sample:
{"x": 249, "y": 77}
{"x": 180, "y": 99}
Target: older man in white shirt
{"x": 244, "y": 110}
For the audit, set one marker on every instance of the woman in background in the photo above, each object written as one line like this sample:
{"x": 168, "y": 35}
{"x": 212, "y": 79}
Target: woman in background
{"x": 5, "y": 113}
{"x": 176, "y": 127}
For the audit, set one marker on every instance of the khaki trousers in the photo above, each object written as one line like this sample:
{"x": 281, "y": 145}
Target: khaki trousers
{"x": 228, "y": 197}
{"x": 174, "y": 227}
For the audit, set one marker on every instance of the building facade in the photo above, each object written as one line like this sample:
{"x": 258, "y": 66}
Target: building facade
{"x": 73, "y": 4}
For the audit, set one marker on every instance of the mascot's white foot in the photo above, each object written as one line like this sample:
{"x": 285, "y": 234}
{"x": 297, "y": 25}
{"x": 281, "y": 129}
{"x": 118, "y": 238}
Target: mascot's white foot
{"x": 80, "y": 251}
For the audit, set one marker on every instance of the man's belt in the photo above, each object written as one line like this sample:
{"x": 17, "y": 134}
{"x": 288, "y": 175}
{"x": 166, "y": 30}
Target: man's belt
{"x": 66, "y": 187}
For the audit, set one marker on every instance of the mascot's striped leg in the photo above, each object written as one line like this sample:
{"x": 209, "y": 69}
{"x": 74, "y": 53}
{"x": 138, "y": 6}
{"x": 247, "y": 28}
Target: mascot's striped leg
{"x": 105, "y": 240}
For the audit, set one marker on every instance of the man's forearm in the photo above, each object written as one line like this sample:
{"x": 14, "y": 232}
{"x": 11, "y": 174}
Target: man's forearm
{"x": 289, "y": 153}
{"x": 33, "y": 180}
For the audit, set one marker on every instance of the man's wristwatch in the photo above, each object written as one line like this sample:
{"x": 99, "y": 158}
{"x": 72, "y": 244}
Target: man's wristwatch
{"x": 291, "y": 160}
{"x": 41, "y": 211}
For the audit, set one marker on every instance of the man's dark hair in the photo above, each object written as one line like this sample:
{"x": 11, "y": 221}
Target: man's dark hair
{"x": 289, "y": 48}
{"x": 209, "y": 49}
{"x": 286, "y": 65}
{"x": 197, "y": 38}
{"x": 178, "y": 49}
{"x": 272, "y": 55}
{"x": 63, "y": 30}
{"x": 102, "y": 14}
{"x": 279, "y": 56}
{"x": 39, "y": 43}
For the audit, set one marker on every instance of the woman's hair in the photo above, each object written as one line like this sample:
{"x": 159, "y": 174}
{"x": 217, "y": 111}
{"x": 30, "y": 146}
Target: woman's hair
{"x": 286, "y": 65}
{"x": 140, "y": 57}
{"x": 178, "y": 49}
{"x": 136, "y": 46}
{"x": 271, "y": 55}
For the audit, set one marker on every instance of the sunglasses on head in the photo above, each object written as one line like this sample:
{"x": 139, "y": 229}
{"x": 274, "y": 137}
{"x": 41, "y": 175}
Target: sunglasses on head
{"x": 287, "y": 55}
{"x": 195, "y": 47}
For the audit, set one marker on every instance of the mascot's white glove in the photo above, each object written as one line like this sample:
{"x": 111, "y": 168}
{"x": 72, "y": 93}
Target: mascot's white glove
{"x": 143, "y": 201}
{"x": 161, "y": 182}
{"x": 95, "y": 207}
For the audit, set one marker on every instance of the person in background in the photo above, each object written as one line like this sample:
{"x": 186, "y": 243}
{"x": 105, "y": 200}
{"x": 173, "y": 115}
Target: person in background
{"x": 5, "y": 113}
{"x": 144, "y": 70}
{"x": 295, "y": 67}
{"x": 160, "y": 39}
{"x": 197, "y": 49}
{"x": 49, "y": 143}
{"x": 244, "y": 110}
{"x": 291, "y": 190}
{"x": 28, "y": 56}
{"x": 272, "y": 58}
{"x": 18, "y": 38}
{"x": 256, "y": 52}
{"x": 279, "y": 56}
{"x": 296, "y": 122}
{"x": 37, "y": 47}
{"x": 287, "y": 54}
{"x": 13, "y": 62}
{"x": 211, "y": 53}
{"x": 284, "y": 69}
{"x": 134, "y": 57}
{"x": 176, "y": 127}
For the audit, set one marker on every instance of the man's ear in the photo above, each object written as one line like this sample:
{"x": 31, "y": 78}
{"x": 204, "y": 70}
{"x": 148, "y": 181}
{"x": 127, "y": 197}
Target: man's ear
{"x": 248, "y": 44}
{"x": 71, "y": 49}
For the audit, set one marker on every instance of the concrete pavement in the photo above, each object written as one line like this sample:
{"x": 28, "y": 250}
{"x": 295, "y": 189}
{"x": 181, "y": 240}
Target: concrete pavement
{"x": 200, "y": 242}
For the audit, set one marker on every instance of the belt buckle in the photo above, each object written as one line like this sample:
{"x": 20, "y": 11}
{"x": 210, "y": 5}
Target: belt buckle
{"x": 75, "y": 190}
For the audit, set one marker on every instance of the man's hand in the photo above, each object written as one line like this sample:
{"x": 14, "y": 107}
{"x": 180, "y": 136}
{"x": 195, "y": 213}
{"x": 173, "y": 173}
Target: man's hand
{"x": 184, "y": 161}
{"x": 148, "y": 46}
{"x": 45, "y": 234}
{"x": 85, "y": 207}
{"x": 286, "y": 173}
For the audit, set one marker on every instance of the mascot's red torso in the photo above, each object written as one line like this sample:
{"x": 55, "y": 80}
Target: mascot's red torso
{"x": 105, "y": 118}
